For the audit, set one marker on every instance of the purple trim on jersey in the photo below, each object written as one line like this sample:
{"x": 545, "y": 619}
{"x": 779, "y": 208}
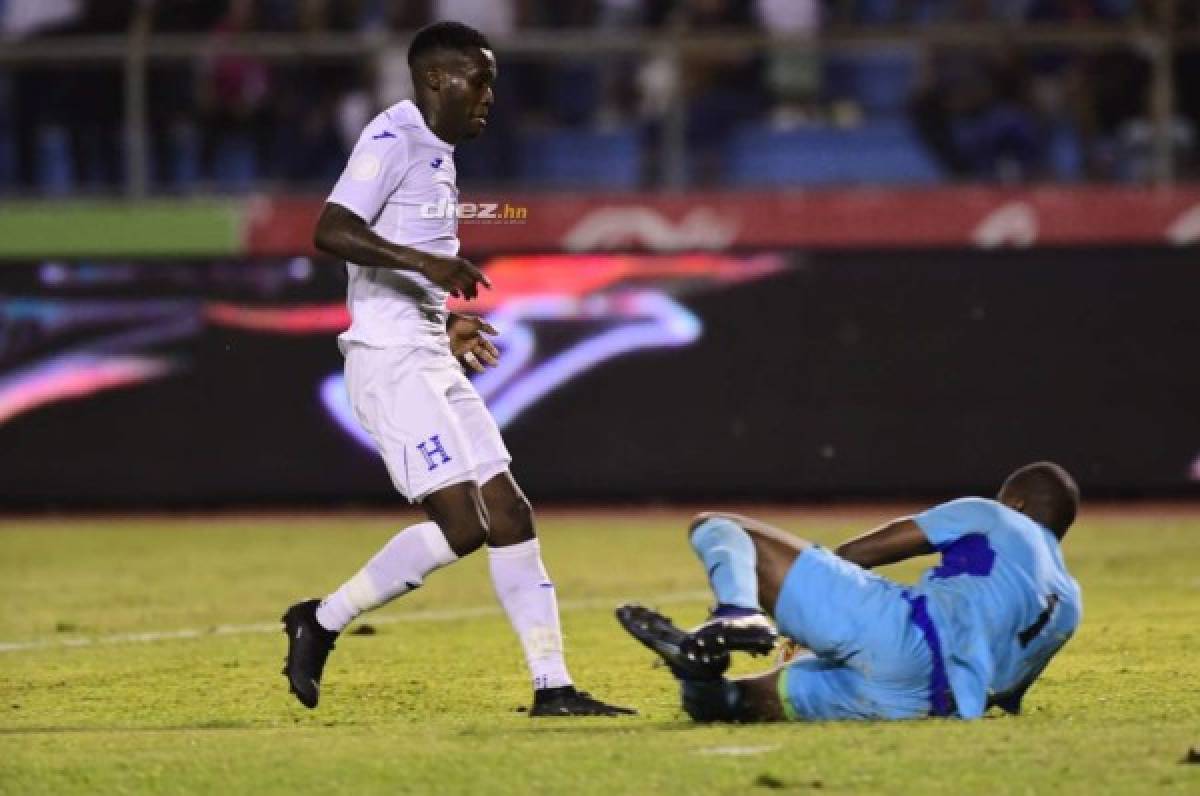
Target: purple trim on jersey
{"x": 968, "y": 555}
{"x": 939, "y": 683}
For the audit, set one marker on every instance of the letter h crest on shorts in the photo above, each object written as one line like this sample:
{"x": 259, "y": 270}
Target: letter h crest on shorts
{"x": 434, "y": 452}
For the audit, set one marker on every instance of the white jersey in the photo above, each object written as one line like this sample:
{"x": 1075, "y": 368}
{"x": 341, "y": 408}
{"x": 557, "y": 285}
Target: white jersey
{"x": 401, "y": 180}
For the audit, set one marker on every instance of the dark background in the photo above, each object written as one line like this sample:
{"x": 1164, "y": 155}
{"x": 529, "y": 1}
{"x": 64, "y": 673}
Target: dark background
{"x": 864, "y": 374}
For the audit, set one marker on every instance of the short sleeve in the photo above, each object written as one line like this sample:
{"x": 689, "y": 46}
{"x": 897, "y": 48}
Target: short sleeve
{"x": 948, "y": 522}
{"x": 373, "y": 173}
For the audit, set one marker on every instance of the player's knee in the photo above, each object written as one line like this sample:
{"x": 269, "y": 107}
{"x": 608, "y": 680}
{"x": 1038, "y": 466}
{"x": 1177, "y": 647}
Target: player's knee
{"x": 511, "y": 522}
{"x": 465, "y": 538}
{"x": 713, "y": 527}
{"x": 702, "y": 518}
{"x": 464, "y": 523}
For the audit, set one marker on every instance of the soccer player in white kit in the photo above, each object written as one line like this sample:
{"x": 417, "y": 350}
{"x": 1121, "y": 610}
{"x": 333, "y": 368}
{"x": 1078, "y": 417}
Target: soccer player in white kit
{"x": 403, "y": 350}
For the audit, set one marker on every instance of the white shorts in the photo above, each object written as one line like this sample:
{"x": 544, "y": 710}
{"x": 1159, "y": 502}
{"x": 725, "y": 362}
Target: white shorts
{"x": 429, "y": 423}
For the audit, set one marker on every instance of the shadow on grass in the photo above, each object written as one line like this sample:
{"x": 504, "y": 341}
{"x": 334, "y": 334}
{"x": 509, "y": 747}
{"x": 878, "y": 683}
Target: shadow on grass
{"x": 214, "y": 726}
{"x": 594, "y": 726}
{"x": 590, "y": 726}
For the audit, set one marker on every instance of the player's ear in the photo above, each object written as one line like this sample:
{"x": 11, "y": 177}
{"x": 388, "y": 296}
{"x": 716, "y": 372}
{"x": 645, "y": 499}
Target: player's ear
{"x": 428, "y": 72}
{"x": 433, "y": 77}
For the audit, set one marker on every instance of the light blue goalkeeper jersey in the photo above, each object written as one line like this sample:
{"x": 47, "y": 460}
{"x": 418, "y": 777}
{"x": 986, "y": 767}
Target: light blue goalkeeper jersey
{"x": 1002, "y": 600}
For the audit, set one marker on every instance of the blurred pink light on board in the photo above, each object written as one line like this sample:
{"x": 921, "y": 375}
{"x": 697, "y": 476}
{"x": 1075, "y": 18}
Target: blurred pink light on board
{"x": 287, "y": 320}
{"x": 75, "y": 377}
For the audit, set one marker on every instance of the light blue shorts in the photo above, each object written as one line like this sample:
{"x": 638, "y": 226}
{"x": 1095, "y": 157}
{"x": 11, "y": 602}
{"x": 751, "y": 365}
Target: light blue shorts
{"x": 868, "y": 661}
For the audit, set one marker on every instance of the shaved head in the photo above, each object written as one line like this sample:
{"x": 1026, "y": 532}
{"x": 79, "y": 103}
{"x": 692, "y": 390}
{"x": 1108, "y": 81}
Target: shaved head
{"x": 442, "y": 37}
{"x": 1045, "y": 492}
{"x": 453, "y": 72}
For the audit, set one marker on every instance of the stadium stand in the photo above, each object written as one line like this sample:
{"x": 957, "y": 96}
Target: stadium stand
{"x": 913, "y": 108}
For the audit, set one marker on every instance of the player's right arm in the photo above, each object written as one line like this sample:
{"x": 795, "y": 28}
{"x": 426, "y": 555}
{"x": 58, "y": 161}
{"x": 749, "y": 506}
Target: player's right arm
{"x": 374, "y": 173}
{"x": 946, "y": 523}
{"x": 924, "y": 533}
{"x": 342, "y": 233}
{"x": 898, "y": 540}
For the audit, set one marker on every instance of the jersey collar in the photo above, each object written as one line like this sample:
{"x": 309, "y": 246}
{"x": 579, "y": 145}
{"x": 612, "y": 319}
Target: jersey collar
{"x": 407, "y": 114}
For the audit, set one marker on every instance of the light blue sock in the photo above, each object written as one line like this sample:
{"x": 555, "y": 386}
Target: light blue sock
{"x": 728, "y": 556}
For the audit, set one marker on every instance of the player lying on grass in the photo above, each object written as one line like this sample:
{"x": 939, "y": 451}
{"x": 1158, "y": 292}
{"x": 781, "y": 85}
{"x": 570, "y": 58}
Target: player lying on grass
{"x": 976, "y": 631}
{"x": 392, "y": 217}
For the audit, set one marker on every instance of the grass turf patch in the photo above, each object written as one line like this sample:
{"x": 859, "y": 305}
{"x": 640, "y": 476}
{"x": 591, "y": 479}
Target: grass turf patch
{"x": 432, "y": 701}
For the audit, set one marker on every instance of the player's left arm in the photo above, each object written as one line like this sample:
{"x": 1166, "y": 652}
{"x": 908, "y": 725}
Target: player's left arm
{"x": 898, "y": 540}
{"x": 469, "y": 342}
{"x": 1010, "y": 700}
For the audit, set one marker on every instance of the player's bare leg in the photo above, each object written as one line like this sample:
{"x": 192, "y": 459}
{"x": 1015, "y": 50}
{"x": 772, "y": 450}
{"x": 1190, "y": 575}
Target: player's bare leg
{"x": 706, "y": 694}
{"x": 528, "y": 597}
{"x": 461, "y": 512}
{"x": 747, "y": 561}
{"x": 760, "y": 697}
{"x": 457, "y": 526}
{"x": 775, "y": 551}
{"x": 747, "y": 699}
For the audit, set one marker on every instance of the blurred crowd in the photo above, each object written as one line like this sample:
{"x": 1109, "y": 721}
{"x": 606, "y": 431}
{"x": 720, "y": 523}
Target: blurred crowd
{"x": 1002, "y": 112}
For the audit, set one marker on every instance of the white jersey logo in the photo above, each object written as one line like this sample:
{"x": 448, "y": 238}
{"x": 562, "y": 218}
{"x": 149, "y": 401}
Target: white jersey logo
{"x": 365, "y": 166}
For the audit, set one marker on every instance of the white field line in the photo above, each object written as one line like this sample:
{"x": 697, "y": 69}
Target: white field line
{"x": 432, "y": 615}
{"x": 737, "y": 751}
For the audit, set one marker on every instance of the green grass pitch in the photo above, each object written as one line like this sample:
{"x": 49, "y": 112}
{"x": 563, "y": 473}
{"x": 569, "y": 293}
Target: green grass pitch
{"x": 143, "y": 656}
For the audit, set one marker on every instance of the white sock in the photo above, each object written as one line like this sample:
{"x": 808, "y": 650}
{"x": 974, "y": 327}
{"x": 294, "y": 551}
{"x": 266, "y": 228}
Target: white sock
{"x": 528, "y": 598}
{"x": 397, "y": 569}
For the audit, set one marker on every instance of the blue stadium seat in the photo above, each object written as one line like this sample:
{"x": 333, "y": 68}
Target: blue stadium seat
{"x": 575, "y": 92}
{"x": 1066, "y": 154}
{"x": 235, "y": 165}
{"x": 886, "y": 152}
{"x": 54, "y": 169}
{"x": 100, "y": 157}
{"x": 8, "y": 158}
{"x": 8, "y": 130}
{"x": 581, "y": 158}
{"x": 876, "y": 12}
{"x": 184, "y": 158}
{"x": 880, "y": 81}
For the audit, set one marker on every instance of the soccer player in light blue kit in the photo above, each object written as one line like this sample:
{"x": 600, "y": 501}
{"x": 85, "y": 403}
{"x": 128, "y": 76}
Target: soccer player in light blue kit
{"x": 976, "y": 631}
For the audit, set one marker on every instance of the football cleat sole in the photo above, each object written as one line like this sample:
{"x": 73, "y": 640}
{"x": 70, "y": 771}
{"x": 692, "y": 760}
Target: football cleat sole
{"x": 753, "y": 634}
{"x": 656, "y": 632}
